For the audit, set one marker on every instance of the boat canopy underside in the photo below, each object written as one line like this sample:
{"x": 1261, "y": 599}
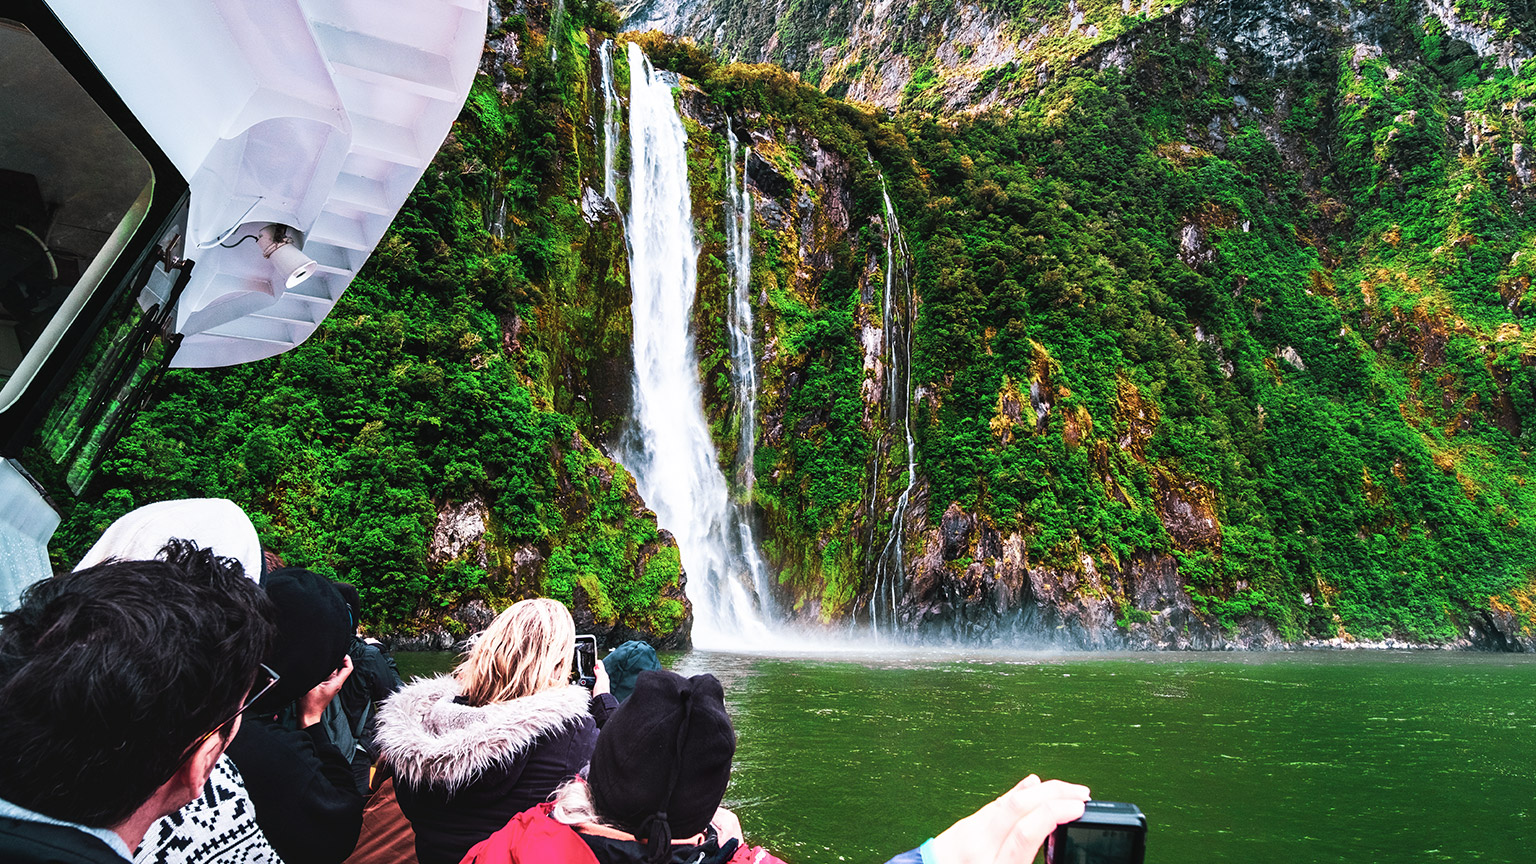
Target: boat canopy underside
{"x": 317, "y": 115}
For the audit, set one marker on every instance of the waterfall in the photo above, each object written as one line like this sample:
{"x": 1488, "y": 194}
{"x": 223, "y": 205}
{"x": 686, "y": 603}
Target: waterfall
{"x": 556, "y": 17}
{"x": 610, "y": 122}
{"x": 666, "y": 442}
{"x": 738, "y": 253}
{"x": 890, "y": 567}
{"x": 738, "y": 219}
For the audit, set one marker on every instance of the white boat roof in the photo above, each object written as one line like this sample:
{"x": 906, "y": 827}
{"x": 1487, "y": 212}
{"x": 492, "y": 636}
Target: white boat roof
{"x": 317, "y": 114}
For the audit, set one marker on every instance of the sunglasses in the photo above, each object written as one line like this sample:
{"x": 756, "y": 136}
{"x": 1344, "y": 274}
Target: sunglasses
{"x": 256, "y": 693}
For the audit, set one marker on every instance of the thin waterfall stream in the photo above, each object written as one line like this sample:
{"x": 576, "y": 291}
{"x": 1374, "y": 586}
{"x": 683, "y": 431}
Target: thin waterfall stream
{"x": 738, "y": 215}
{"x": 738, "y": 219}
{"x": 666, "y": 443}
{"x": 610, "y": 123}
{"x": 890, "y": 566}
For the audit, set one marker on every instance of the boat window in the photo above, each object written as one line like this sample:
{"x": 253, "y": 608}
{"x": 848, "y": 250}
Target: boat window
{"x": 73, "y": 189}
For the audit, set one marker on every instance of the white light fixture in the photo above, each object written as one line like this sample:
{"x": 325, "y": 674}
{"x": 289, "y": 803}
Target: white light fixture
{"x": 292, "y": 265}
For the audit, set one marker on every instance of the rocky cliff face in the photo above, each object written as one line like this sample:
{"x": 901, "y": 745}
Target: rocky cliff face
{"x": 968, "y": 56}
{"x": 999, "y": 546}
{"x": 893, "y": 53}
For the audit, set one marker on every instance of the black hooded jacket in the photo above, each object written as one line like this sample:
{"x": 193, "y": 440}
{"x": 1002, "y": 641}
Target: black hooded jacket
{"x": 23, "y": 842}
{"x": 462, "y": 771}
{"x": 306, "y": 800}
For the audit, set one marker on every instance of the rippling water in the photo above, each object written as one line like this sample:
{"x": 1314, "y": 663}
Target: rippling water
{"x": 1265, "y": 757}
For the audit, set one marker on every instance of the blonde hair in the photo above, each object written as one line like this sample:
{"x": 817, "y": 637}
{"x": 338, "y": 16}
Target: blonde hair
{"x": 525, "y": 650}
{"x": 573, "y": 804}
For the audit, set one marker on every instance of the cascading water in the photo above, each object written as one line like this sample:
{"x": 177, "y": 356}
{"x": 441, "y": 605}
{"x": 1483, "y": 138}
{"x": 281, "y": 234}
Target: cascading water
{"x": 666, "y": 443}
{"x": 890, "y": 566}
{"x": 556, "y": 18}
{"x": 610, "y": 122}
{"x": 738, "y": 219}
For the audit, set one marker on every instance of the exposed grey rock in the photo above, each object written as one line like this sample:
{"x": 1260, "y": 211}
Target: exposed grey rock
{"x": 1483, "y": 39}
{"x": 460, "y": 529}
{"x": 595, "y": 208}
{"x": 1289, "y": 355}
{"x": 956, "y": 527}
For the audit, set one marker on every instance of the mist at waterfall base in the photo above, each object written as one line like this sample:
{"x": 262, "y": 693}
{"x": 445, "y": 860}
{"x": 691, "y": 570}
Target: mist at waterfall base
{"x": 1353, "y": 757}
{"x": 666, "y": 444}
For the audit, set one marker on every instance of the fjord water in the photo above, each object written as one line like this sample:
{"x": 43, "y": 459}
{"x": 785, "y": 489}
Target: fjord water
{"x": 1347, "y": 757}
{"x": 1267, "y": 757}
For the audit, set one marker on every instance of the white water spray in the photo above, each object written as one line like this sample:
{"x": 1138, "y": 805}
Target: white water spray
{"x": 666, "y": 444}
{"x": 890, "y": 567}
{"x": 610, "y": 122}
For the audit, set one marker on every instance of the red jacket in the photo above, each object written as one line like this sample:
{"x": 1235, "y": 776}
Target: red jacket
{"x": 533, "y": 837}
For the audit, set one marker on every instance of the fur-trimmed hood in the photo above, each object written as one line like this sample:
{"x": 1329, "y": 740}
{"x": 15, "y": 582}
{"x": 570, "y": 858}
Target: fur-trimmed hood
{"x": 430, "y": 740}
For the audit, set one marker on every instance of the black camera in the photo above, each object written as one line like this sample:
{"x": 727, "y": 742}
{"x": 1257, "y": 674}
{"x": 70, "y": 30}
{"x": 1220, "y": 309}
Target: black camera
{"x": 584, "y": 665}
{"x": 1110, "y": 832}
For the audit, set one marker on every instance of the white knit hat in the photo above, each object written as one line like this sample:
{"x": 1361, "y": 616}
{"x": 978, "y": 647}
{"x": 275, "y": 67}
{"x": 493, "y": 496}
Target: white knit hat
{"x": 212, "y": 523}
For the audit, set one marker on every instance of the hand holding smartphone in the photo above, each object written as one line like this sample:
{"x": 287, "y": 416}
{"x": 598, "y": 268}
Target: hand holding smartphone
{"x": 584, "y": 665}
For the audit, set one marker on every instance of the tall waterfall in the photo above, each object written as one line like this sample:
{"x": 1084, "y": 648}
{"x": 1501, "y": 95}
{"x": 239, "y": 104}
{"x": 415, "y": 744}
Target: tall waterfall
{"x": 610, "y": 122}
{"x": 666, "y": 443}
{"x": 890, "y": 567}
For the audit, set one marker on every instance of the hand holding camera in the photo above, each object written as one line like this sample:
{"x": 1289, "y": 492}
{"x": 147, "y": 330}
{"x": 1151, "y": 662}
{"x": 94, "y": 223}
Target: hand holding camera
{"x": 1012, "y": 827}
{"x": 1074, "y": 829}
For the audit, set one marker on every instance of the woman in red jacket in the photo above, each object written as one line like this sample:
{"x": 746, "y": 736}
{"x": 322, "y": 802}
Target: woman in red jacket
{"x": 653, "y": 791}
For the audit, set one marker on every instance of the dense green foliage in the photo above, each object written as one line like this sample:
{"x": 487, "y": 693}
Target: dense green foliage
{"x": 1364, "y": 450}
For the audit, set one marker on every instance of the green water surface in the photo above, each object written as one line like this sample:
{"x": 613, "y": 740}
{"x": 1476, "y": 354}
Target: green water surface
{"x": 1264, "y": 757}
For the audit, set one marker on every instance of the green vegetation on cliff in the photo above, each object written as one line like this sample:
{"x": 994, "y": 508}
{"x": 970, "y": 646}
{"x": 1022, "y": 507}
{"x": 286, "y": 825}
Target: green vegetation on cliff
{"x": 1313, "y": 395}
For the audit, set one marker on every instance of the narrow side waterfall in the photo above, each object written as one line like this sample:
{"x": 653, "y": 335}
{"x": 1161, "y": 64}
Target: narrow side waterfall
{"x": 666, "y": 443}
{"x": 556, "y": 18}
{"x": 738, "y": 221}
{"x": 890, "y": 566}
{"x": 610, "y": 122}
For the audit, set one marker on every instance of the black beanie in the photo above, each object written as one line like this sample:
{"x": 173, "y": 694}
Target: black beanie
{"x": 312, "y": 634}
{"x": 663, "y": 759}
{"x": 354, "y": 601}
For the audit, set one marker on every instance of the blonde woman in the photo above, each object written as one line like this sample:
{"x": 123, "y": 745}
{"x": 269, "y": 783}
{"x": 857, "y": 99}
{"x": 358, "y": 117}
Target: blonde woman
{"x": 472, "y": 749}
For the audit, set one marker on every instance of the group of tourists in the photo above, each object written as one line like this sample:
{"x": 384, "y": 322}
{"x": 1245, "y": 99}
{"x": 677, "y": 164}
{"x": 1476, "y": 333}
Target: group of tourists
{"x": 181, "y": 697}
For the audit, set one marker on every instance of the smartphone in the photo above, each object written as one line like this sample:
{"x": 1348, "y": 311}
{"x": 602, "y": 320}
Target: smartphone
{"x": 1110, "y": 832}
{"x": 584, "y": 666}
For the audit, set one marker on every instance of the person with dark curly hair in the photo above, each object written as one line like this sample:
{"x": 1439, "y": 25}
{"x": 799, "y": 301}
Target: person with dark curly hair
{"x": 121, "y": 684}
